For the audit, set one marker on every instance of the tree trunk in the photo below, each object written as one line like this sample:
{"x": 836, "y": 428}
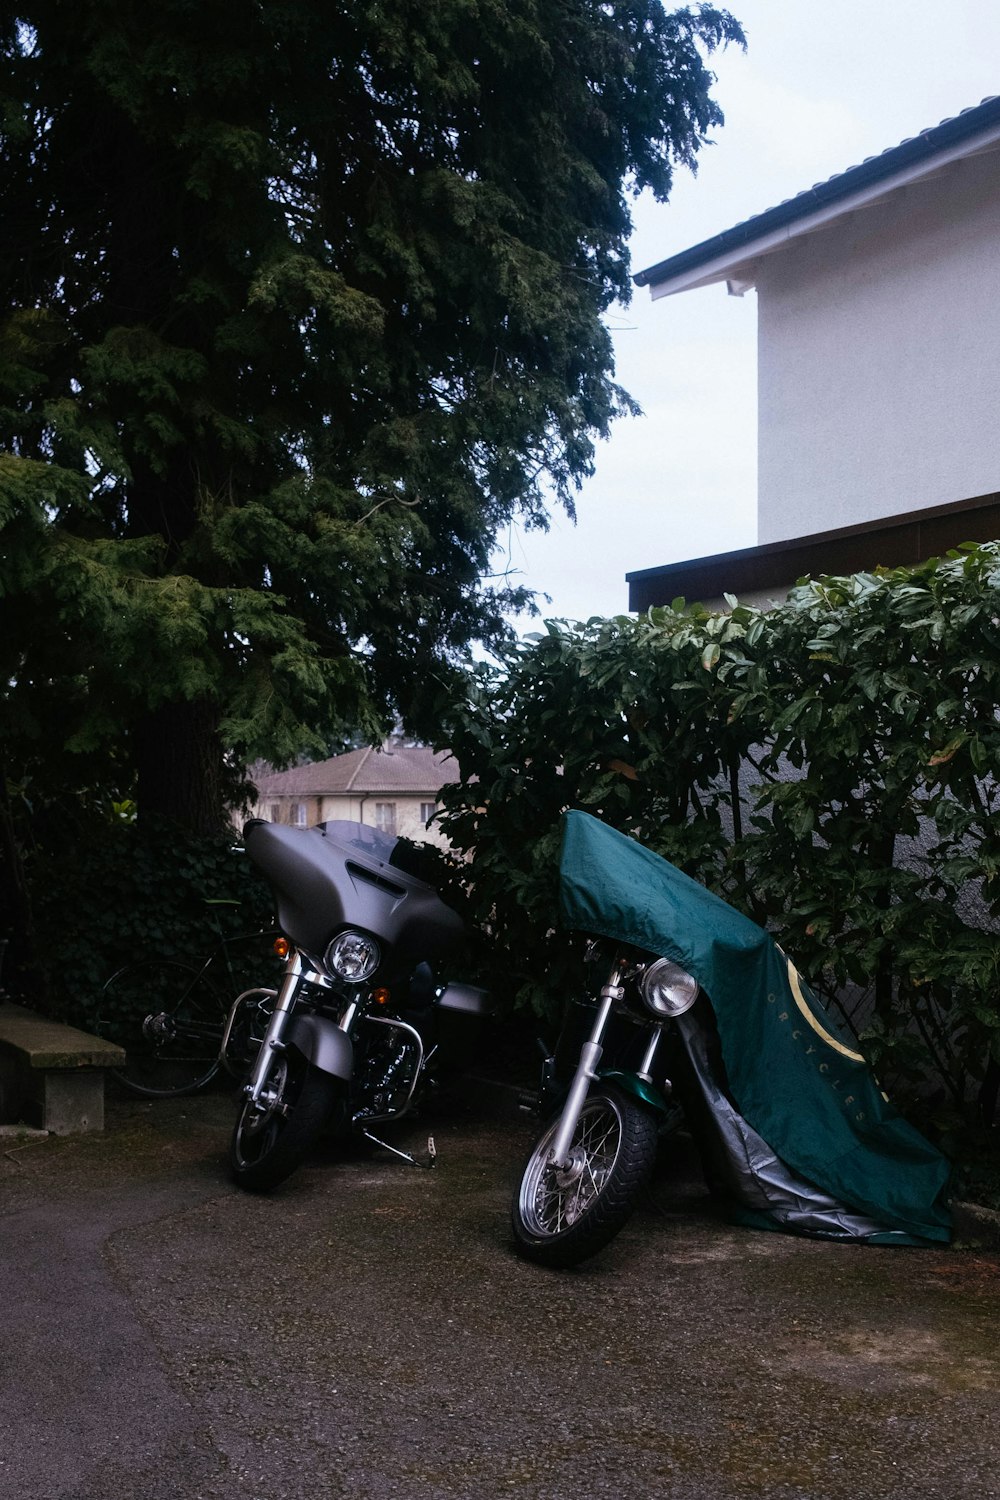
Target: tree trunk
{"x": 180, "y": 769}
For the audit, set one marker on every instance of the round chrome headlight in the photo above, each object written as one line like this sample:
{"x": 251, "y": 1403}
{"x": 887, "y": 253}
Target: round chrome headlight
{"x": 668, "y": 989}
{"x": 352, "y": 957}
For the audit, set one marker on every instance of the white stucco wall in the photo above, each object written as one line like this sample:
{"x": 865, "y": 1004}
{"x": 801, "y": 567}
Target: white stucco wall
{"x": 879, "y": 358}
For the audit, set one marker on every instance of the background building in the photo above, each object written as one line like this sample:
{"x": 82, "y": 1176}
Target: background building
{"x": 394, "y": 787}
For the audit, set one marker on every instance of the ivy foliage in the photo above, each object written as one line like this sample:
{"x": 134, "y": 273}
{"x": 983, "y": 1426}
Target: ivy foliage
{"x": 114, "y": 892}
{"x": 828, "y": 766}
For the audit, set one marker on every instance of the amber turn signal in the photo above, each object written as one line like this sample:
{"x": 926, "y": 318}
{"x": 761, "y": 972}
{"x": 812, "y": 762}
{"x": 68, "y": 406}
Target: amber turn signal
{"x": 381, "y": 997}
{"x": 281, "y": 947}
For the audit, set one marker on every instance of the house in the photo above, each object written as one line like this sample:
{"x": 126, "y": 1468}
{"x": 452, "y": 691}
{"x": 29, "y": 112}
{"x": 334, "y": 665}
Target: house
{"x": 394, "y": 787}
{"x": 878, "y": 352}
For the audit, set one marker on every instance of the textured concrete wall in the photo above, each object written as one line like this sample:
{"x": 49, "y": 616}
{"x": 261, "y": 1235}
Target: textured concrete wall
{"x": 879, "y": 358}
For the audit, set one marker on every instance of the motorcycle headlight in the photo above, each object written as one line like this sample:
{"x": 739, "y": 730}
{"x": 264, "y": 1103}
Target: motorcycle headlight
{"x": 353, "y": 957}
{"x": 668, "y": 989}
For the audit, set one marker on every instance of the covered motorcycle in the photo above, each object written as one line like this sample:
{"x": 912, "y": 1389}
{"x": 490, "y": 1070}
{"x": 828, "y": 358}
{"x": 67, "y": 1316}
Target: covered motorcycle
{"x": 358, "y": 1016}
{"x": 791, "y": 1124}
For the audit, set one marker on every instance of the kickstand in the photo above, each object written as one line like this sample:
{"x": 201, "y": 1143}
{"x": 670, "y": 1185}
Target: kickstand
{"x": 413, "y": 1160}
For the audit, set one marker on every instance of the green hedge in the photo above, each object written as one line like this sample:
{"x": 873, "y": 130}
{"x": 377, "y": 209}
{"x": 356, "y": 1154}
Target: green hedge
{"x": 827, "y": 766}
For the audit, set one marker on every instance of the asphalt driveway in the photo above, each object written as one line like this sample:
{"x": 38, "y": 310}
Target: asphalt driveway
{"x": 367, "y": 1331}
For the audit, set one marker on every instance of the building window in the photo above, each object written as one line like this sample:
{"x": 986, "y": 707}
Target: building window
{"x": 275, "y": 812}
{"x": 385, "y": 817}
{"x": 427, "y": 811}
{"x": 299, "y": 814}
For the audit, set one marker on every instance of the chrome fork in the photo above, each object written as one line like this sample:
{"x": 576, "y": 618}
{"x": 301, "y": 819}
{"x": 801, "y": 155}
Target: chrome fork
{"x": 586, "y": 1072}
{"x": 284, "y": 1005}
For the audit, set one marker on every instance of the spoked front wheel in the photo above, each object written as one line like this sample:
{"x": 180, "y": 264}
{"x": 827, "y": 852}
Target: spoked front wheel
{"x": 273, "y": 1136}
{"x": 169, "y": 1021}
{"x": 562, "y": 1215}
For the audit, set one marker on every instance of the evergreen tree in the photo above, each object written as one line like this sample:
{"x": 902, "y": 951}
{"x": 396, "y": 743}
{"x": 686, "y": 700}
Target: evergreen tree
{"x": 301, "y": 306}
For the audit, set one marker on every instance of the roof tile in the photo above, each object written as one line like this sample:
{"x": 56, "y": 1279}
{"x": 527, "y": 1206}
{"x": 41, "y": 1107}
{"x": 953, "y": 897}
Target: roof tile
{"x": 920, "y": 147}
{"x": 397, "y": 768}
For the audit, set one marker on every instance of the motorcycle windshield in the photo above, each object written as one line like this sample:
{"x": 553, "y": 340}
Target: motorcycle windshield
{"x": 384, "y": 848}
{"x": 371, "y": 842}
{"x": 794, "y": 1071}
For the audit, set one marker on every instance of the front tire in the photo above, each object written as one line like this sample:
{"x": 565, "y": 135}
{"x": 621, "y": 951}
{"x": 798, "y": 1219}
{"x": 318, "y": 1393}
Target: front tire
{"x": 273, "y": 1138}
{"x": 561, "y": 1217}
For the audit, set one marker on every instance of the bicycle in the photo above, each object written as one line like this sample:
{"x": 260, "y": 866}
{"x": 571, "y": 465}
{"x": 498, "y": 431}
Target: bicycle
{"x": 175, "y": 1023}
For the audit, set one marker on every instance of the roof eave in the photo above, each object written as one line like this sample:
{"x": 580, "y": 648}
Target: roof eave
{"x": 892, "y": 541}
{"x": 733, "y": 256}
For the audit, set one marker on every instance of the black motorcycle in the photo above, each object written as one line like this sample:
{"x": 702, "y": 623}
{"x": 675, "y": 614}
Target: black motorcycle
{"x": 348, "y": 1038}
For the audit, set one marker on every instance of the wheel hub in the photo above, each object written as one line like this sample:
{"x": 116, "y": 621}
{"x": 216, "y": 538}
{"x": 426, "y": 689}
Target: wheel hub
{"x": 565, "y": 1177}
{"x": 158, "y": 1028}
{"x": 269, "y": 1104}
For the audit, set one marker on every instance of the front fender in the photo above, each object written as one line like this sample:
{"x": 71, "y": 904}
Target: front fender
{"x": 645, "y": 1092}
{"x": 321, "y": 1043}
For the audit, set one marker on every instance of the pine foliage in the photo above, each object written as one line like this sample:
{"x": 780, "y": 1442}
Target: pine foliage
{"x": 301, "y": 307}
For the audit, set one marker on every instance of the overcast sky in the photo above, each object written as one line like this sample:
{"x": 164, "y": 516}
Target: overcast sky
{"x": 819, "y": 88}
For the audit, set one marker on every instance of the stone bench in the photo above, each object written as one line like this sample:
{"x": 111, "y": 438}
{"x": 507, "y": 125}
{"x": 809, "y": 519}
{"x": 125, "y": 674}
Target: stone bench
{"x": 51, "y": 1075}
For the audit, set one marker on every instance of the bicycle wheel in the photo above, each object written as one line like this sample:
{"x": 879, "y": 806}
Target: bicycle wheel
{"x": 169, "y": 1021}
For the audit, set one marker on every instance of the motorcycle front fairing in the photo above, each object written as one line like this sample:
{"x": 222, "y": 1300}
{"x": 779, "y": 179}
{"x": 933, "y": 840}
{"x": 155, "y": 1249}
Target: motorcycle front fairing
{"x": 789, "y": 1071}
{"x": 341, "y": 874}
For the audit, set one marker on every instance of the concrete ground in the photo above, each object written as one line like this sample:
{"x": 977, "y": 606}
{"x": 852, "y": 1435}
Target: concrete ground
{"x": 367, "y": 1331}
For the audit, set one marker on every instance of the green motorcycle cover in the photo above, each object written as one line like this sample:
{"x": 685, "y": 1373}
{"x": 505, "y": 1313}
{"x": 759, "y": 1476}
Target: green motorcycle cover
{"x": 793, "y": 1071}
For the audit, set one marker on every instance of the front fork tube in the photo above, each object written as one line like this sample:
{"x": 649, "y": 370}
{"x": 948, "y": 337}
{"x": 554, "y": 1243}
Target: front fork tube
{"x": 586, "y": 1072}
{"x": 646, "y": 1070}
{"x": 283, "y": 1007}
